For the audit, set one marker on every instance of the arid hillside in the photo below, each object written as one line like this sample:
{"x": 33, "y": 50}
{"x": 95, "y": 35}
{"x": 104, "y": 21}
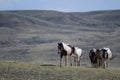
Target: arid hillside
{"x": 32, "y": 36}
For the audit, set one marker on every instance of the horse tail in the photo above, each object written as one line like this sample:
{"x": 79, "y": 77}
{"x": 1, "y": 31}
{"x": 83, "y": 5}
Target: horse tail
{"x": 112, "y": 57}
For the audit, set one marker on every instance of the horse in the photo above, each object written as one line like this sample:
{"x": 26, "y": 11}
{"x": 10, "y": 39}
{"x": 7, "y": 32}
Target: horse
{"x": 77, "y": 53}
{"x": 106, "y": 55}
{"x": 93, "y": 58}
{"x": 65, "y": 50}
{"x": 98, "y": 57}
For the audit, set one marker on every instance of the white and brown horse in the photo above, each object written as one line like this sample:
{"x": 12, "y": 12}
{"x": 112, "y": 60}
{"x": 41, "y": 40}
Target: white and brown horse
{"x": 106, "y": 56}
{"x": 77, "y": 55}
{"x": 64, "y": 50}
{"x": 68, "y": 50}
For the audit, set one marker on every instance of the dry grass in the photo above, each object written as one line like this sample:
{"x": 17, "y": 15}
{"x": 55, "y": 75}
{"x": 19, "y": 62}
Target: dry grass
{"x": 28, "y": 71}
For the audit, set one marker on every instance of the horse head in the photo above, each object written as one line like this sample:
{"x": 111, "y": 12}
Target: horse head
{"x": 60, "y": 47}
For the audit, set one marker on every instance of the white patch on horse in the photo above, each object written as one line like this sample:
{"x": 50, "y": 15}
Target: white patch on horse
{"x": 78, "y": 52}
{"x": 94, "y": 50}
{"x": 67, "y": 48}
{"x": 109, "y": 52}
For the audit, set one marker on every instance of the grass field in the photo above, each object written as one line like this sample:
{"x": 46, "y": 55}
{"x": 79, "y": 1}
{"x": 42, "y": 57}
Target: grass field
{"x": 29, "y": 71}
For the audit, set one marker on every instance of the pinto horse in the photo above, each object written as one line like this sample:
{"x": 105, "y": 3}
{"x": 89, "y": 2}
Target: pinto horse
{"x": 66, "y": 49}
{"x": 106, "y": 55}
{"x": 78, "y": 53}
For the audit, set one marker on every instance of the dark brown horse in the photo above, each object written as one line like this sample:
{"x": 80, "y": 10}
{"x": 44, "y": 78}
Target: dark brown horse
{"x": 92, "y": 56}
{"x": 98, "y": 57}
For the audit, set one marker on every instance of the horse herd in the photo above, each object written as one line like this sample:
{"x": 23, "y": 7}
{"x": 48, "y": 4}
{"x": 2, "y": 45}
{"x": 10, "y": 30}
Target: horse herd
{"x": 98, "y": 57}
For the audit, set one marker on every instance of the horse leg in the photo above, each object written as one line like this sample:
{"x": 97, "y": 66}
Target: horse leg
{"x": 60, "y": 62}
{"x": 65, "y": 60}
{"x": 105, "y": 64}
{"x": 99, "y": 63}
{"x": 75, "y": 61}
{"x": 102, "y": 63}
{"x": 70, "y": 61}
{"x": 92, "y": 65}
{"x": 78, "y": 61}
{"x": 61, "y": 56}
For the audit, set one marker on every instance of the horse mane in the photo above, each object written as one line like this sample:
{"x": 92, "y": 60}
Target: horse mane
{"x": 66, "y": 45}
